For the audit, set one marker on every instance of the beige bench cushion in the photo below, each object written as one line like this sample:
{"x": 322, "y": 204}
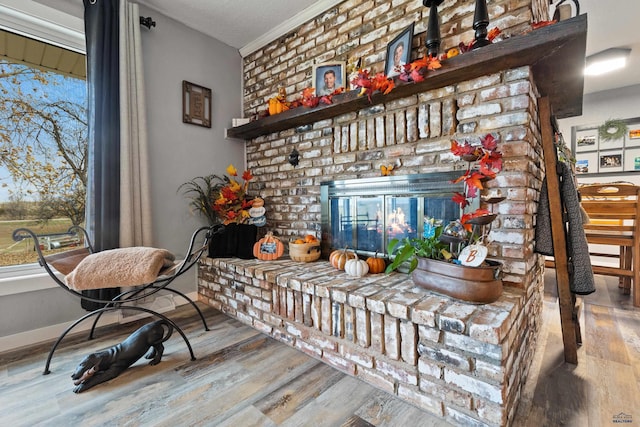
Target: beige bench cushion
{"x": 119, "y": 267}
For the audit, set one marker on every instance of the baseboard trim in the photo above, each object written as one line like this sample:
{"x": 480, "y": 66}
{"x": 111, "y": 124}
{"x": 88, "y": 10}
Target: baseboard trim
{"x": 37, "y": 336}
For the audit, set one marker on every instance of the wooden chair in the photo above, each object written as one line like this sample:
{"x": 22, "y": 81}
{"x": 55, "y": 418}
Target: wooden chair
{"x": 614, "y": 211}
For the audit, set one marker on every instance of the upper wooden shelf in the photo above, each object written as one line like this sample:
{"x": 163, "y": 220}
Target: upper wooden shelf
{"x": 556, "y": 54}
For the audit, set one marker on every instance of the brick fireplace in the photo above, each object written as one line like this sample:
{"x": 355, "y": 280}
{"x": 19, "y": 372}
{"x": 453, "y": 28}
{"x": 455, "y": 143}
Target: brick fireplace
{"x": 462, "y": 362}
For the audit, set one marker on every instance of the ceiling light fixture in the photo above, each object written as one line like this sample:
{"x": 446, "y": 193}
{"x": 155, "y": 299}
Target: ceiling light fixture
{"x": 606, "y": 61}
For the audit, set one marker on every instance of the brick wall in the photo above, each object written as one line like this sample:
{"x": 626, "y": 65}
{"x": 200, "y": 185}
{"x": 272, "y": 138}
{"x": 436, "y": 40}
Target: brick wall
{"x": 414, "y": 134}
{"x": 361, "y": 29}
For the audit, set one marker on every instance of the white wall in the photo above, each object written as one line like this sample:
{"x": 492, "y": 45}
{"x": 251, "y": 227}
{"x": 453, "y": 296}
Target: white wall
{"x": 178, "y": 152}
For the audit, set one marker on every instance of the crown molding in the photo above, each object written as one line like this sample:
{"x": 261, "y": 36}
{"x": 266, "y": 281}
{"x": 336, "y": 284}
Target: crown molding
{"x": 43, "y": 23}
{"x": 287, "y": 26}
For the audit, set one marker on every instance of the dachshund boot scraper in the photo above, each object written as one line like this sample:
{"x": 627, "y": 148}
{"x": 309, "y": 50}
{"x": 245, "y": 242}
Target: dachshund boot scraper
{"x": 107, "y": 364}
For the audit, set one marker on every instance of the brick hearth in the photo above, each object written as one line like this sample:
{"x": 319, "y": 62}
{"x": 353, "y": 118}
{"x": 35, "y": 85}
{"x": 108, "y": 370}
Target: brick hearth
{"x": 459, "y": 361}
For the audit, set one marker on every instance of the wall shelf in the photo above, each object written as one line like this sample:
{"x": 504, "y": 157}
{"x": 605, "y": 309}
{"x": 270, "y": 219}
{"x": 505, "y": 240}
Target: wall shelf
{"x": 556, "y": 54}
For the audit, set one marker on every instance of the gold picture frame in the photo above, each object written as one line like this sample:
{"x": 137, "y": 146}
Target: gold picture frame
{"x": 196, "y": 104}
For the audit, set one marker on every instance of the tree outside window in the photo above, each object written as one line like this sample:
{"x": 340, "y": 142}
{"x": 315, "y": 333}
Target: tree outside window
{"x": 43, "y": 154}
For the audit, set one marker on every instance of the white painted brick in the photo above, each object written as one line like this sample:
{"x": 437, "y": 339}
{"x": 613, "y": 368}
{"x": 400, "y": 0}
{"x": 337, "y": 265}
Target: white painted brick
{"x": 430, "y": 368}
{"x": 421, "y": 400}
{"x": 473, "y": 385}
{"x": 358, "y": 357}
{"x": 489, "y": 326}
{"x": 363, "y": 328}
{"x": 391, "y": 337}
{"x": 339, "y": 362}
{"x": 400, "y": 371}
{"x": 455, "y": 317}
{"x": 409, "y": 342}
{"x": 373, "y": 377}
{"x": 480, "y": 348}
{"x": 377, "y": 332}
{"x": 323, "y": 343}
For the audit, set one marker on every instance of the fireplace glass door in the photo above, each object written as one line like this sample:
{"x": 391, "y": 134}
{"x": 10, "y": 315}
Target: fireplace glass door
{"x": 366, "y": 214}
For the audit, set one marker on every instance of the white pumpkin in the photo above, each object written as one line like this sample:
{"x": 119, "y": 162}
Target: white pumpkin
{"x": 356, "y": 267}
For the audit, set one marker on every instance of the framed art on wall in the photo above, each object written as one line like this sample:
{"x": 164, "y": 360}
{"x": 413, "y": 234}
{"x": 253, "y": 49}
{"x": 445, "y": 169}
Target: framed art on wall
{"x": 632, "y": 159}
{"x": 196, "y": 104}
{"x": 610, "y": 161}
{"x": 609, "y": 147}
{"x": 586, "y": 140}
{"x": 587, "y": 163}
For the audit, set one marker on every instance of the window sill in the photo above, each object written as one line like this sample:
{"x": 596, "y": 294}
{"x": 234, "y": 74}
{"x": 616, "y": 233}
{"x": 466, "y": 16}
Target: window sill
{"x": 24, "y": 278}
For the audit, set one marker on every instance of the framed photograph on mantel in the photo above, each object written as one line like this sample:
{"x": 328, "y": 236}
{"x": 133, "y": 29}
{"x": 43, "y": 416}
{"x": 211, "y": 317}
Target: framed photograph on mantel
{"x": 329, "y": 77}
{"x": 196, "y": 104}
{"x": 399, "y": 52}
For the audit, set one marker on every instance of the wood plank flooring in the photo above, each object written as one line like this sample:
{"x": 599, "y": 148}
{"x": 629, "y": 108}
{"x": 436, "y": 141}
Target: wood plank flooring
{"x": 243, "y": 378}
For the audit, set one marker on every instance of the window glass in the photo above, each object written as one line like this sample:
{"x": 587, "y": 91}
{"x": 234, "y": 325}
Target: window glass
{"x": 43, "y": 147}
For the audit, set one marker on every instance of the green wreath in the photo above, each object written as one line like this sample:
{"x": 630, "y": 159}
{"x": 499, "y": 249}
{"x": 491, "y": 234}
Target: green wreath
{"x": 612, "y": 130}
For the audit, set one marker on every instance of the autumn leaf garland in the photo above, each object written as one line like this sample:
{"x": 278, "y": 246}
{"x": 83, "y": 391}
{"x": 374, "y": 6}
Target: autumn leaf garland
{"x": 416, "y": 71}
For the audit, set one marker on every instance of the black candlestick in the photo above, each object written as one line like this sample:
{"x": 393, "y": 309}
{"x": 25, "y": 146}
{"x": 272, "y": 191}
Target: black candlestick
{"x": 433, "y": 27}
{"x": 480, "y": 24}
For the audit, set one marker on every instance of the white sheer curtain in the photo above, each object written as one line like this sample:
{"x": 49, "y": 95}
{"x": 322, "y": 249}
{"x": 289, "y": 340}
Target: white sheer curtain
{"x": 135, "y": 202}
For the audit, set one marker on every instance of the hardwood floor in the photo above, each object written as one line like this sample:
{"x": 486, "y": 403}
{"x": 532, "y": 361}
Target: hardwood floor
{"x": 243, "y": 378}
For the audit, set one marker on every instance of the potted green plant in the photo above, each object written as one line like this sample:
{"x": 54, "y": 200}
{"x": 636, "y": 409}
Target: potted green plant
{"x": 431, "y": 263}
{"x": 406, "y": 251}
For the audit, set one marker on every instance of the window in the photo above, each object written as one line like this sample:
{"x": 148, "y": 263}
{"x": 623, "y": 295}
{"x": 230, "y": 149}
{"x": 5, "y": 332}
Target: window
{"x": 43, "y": 144}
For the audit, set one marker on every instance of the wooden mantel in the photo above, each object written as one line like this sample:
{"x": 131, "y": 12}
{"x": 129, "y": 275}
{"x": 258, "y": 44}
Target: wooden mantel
{"x": 556, "y": 54}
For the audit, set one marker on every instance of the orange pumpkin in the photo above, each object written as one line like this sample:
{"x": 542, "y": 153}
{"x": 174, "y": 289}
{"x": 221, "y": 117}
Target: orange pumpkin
{"x": 310, "y": 238}
{"x": 376, "y": 265}
{"x": 339, "y": 258}
{"x": 277, "y": 106}
{"x": 268, "y": 248}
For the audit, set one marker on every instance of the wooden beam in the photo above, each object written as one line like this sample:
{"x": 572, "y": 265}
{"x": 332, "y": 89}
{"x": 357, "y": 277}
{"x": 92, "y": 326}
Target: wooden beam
{"x": 569, "y": 322}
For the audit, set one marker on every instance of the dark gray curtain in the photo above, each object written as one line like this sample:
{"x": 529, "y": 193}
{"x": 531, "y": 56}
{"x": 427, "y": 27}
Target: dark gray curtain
{"x": 103, "y": 181}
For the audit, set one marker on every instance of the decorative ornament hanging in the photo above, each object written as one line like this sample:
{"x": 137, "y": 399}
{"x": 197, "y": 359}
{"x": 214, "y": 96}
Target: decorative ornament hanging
{"x": 612, "y": 130}
{"x": 294, "y": 158}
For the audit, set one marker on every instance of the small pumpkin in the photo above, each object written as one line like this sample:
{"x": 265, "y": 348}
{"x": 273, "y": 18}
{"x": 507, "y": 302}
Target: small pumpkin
{"x": 268, "y": 248}
{"x": 356, "y": 267}
{"x": 376, "y": 265}
{"x": 339, "y": 257}
{"x": 277, "y": 106}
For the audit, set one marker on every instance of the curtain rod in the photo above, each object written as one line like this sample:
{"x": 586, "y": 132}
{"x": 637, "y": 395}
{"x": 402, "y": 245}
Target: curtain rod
{"x": 147, "y": 22}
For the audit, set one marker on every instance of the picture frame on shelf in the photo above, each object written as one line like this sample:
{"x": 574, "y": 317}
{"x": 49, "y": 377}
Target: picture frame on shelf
{"x": 399, "y": 52}
{"x": 196, "y": 104}
{"x": 329, "y": 77}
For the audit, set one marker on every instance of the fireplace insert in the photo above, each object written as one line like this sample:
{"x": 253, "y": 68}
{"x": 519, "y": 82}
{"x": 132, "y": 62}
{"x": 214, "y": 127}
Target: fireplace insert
{"x": 365, "y": 214}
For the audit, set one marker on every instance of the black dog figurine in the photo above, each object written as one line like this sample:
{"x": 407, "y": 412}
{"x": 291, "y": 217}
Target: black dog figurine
{"x": 107, "y": 364}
